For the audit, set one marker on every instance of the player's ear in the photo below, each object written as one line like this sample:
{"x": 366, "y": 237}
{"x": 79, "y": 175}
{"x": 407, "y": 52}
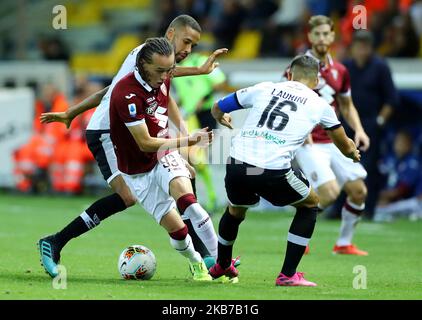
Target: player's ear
{"x": 289, "y": 75}
{"x": 309, "y": 37}
{"x": 316, "y": 82}
{"x": 170, "y": 33}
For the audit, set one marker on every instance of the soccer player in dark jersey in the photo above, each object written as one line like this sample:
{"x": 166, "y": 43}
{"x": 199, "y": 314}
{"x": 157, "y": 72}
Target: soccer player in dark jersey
{"x": 140, "y": 109}
{"x": 324, "y": 166}
{"x": 184, "y": 33}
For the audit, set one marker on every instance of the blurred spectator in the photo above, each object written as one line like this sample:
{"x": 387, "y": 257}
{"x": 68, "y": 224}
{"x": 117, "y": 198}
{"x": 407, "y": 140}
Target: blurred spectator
{"x": 404, "y": 178}
{"x": 198, "y": 9}
{"x": 399, "y": 36}
{"x": 375, "y": 98}
{"x": 319, "y": 7}
{"x": 289, "y": 13}
{"x": 396, "y": 25}
{"x": 33, "y": 159}
{"x": 257, "y": 12}
{"x": 228, "y": 23}
{"x": 167, "y": 11}
{"x": 415, "y": 13}
{"x": 53, "y": 49}
{"x": 379, "y": 13}
{"x": 283, "y": 27}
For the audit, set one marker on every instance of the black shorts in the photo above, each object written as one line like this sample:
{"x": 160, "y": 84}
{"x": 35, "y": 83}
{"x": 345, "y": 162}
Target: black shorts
{"x": 245, "y": 183}
{"x": 100, "y": 144}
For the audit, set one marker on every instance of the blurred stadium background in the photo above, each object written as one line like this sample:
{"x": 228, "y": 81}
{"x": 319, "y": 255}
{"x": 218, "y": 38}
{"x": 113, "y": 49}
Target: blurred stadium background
{"x": 38, "y": 61}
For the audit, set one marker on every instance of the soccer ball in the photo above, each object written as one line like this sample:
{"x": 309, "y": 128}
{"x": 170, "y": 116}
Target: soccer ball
{"x": 137, "y": 262}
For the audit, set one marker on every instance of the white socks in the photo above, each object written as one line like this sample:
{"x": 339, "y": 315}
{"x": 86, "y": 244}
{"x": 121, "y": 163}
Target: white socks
{"x": 186, "y": 249}
{"x": 350, "y": 216}
{"x": 203, "y": 226}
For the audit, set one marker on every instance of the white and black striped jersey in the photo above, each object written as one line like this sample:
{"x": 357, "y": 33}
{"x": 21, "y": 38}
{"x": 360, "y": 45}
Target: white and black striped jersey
{"x": 281, "y": 117}
{"x": 100, "y": 120}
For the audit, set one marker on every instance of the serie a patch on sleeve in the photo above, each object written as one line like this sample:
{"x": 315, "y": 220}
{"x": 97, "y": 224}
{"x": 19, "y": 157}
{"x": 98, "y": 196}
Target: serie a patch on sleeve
{"x": 132, "y": 109}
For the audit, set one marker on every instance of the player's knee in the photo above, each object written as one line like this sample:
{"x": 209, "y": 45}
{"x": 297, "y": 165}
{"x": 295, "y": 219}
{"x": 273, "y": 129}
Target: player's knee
{"x": 358, "y": 195}
{"x": 128, "y": 198}
{"x": 314, "y": 200}
{"x": 120, "y": 187}
{"x": 185, "y": 201}
{"x": 238, "y": 212}
{"x": 311, "y": 201}
{"x": 328, "y": 196}
{"x": 179, "y": 187}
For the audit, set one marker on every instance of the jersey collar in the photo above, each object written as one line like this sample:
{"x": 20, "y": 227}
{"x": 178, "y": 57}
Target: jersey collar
{"x": 142, "y": 81}
{"x": 321, "y": 63}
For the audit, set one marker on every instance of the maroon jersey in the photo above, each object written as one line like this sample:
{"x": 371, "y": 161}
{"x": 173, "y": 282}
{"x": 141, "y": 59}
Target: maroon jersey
{"x": 333, "y": 80}
{"x": 134, "y": 102}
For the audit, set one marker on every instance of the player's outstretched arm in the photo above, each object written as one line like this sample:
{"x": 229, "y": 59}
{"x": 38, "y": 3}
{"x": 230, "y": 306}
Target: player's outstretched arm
{"x": 344, "y": 143}
{"x": 223, "y": 118}
{"x": 152, "y": 144}
{"x": 206, "y": 68}
{"x": 67, "y": 116}
{"x": 350, "y": 114}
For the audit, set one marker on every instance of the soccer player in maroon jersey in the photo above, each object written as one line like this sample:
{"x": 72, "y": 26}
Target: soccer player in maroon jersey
{"x": 140, "y": 109}
{"x": 326, "y": 168}
{"x": 184, "y": 33}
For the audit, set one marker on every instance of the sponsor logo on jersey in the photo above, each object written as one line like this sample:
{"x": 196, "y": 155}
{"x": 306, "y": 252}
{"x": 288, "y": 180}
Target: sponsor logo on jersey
{"x": 132, "y": 109}
{"x": 131, "y": 95}
{"x": 150, "y": 99}
{"x": 261, "y": 135}
{"x": 151, "y": 109}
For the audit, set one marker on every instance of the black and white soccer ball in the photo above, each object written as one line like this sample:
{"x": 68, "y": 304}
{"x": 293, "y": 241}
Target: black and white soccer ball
{"x": 137, "y": 262}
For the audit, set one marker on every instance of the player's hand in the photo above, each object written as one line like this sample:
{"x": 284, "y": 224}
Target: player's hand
{"x": 211, "y": 64}
{"x": 355, "y": 155}
{"x": 361, "y": 140}
{"x": 226, "y": 120}
{"x": 49, "y": 117}
{"x": 202, "y": 138}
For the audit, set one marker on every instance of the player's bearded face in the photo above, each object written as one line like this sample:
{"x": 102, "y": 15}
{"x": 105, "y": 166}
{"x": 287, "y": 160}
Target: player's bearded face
{"x": 184, "y": 40}
{"x": 321, "y": 38}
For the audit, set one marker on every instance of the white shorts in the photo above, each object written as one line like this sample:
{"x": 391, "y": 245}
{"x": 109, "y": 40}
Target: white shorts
{"x": 152, "y": 188}
{"x": 323, "y": 162}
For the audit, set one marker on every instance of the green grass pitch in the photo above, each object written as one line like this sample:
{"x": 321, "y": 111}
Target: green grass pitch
{"x": 393, "y": 268}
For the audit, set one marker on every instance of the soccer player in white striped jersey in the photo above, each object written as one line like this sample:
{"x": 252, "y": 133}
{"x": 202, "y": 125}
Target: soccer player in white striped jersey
{"x": 281, "y": 117}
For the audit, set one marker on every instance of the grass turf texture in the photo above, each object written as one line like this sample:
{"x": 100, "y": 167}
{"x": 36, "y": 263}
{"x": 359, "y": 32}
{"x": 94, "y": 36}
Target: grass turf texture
{"x": 393, "y": 266}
